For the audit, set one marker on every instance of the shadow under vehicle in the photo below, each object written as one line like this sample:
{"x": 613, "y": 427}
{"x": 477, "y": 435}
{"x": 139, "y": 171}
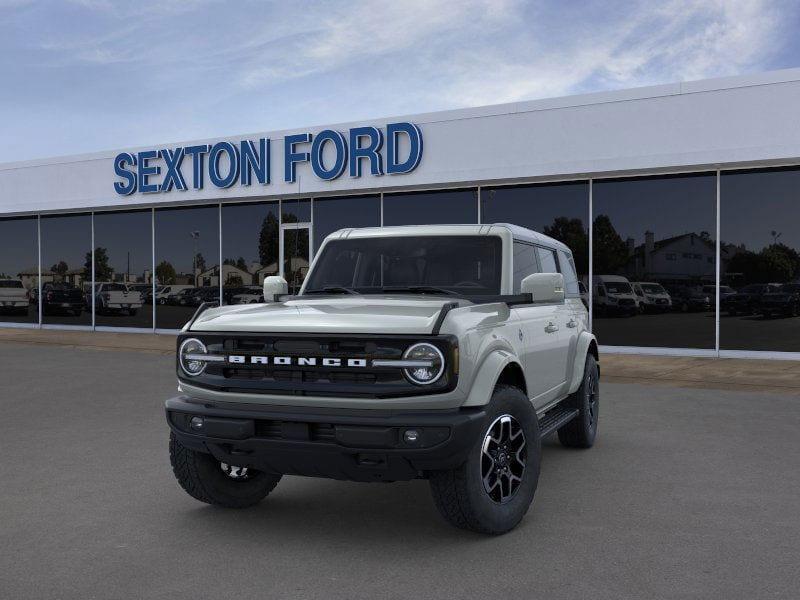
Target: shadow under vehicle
{"x": 14, "y": 298}
{"x": 62, "y": 298}
{"x": 614, "y": 296}
{"x": 690, "y": 299}
{"x": 748, "y": 299}
{"x": 783, "y": 302}
{"x": 652, "y": 297}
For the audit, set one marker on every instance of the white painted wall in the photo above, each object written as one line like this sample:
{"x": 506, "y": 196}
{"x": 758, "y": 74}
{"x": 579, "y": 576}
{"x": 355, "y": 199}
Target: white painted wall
{"x": 728, "y": 122}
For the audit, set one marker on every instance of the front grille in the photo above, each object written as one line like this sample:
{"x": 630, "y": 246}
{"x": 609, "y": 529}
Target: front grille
{"x": 316, "y": 380}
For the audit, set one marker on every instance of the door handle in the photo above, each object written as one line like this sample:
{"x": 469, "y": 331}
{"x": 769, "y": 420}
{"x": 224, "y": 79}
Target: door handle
{"x": 551, "y": 327}
{"x": 572, "y": 324}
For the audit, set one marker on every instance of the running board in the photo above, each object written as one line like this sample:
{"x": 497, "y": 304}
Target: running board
{"x": 555, "y": 418}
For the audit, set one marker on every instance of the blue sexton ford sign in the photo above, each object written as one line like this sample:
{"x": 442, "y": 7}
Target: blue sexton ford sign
{"x": 225, "y": 164}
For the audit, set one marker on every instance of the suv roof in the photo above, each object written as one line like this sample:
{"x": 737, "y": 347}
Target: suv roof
{"x": 518, "y": 233}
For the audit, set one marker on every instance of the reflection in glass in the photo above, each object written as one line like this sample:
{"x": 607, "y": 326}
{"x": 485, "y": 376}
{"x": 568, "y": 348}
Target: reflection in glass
{"x": 123, "y": 266}
{"x": 187, "y": 262}
{"x": 559, "y": 210}
{"x": 19, "y": 270}
{"x": 331, "y": 214}
{"x": 66, "y": 269}
{"x": 295, "y": 257}
{"x": 760, "y": 260}
{"x": 296, "y": 210}
{"x": 250, "y": 242}
{"x": 655, "y": 261}
{"x": 431, "y": 208}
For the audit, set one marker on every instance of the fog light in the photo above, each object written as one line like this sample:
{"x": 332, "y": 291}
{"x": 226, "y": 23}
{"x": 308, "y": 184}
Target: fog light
{"x": 196, "y": 423}
{"x": 411, "y": 436}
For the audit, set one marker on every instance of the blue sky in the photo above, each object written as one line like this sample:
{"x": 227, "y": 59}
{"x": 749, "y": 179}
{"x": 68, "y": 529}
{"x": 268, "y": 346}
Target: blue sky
{"x": 86, "y": 75}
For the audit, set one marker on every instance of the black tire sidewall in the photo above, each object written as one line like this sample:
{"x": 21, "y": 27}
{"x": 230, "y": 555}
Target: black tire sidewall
{"x": 589, "y": 427}
{"x": 496, "y": 517}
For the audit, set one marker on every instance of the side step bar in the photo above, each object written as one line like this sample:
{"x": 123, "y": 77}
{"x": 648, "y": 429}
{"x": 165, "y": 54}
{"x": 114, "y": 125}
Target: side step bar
{"x": 555, "y": 418}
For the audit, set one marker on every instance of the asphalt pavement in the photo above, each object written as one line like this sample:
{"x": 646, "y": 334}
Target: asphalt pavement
{"x": 688, "y": 493}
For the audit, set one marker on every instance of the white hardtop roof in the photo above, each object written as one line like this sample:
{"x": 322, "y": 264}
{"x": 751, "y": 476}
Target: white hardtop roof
{"x": 519, "y": 233}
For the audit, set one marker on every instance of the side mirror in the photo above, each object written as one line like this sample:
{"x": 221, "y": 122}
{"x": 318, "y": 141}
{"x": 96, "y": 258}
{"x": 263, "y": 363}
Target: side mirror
{"x": 545, "y": 287}
{"x": 274, "y": 286}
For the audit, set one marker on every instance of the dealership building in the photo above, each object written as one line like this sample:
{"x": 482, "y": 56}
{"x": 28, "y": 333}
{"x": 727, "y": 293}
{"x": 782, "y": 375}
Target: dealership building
{"x": 680, "y": 202}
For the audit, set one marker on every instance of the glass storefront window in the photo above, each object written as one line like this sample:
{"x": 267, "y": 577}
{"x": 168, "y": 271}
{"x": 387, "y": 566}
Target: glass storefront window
{"x": 187, "y": 262}
{"x": 331, "y": 214}
{"x": 296, "y": 210}
{"x": 559, "y": 210}
{"x": 66, "y": 269}
{"x": 431, "y": 208}
{"x": 760, "y": 260}
{"x": 250, "y": 243}
{"x": 123, "y": 268}
{"x": 655, "y": 261}
{"x": 19, "y": 270}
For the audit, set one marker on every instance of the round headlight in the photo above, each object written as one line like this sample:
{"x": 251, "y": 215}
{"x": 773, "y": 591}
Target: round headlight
{"x": 425, "y": 353}
{"x": 188, "y": 348}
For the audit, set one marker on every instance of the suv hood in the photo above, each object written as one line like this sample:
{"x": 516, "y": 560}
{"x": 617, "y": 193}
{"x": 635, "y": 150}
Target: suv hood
{"x": 345, "y": 314}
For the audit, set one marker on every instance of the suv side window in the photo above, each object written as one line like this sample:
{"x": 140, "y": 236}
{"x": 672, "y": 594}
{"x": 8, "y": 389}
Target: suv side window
{"x": 570, "y": 276}
{"x": 547, "y": 258}
{"x": 524, "y": 263}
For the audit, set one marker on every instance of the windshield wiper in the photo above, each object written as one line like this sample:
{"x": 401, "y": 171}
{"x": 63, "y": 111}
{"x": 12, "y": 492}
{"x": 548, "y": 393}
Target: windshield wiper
{"x": 420, "y": 289}
{"x": 333, "y": 289}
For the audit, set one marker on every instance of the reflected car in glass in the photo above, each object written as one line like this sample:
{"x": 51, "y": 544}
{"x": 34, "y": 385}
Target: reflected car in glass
{"x": 62, "y": 298}
{"x": 652, "y": 297}
{"x": 114, "y": 298}
{"x": 783, "y": 302}
{"x": 725, "y": 291}
{"x": 197, "y": 296}
{"x": 690, "y": 299}
{"x": 14, "y": 297}
{"x": 748, "y": 299}
{"x": 249, "y": 295}
{"x": 614, "y": 296}
{"x": 163, "y": 294}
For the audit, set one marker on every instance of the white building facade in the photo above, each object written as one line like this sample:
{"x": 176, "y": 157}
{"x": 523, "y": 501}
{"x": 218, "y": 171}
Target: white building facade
{"x": 685, "y": 185}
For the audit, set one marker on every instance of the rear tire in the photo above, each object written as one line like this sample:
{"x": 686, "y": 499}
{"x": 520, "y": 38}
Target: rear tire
{"x": 203, "y": 478}
{"x": 582, "y": 430}
{"x": 482, "y": 495}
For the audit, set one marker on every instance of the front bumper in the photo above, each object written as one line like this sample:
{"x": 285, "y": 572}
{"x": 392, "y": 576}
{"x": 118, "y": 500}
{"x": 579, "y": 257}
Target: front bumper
{"x": 356, "y": 445}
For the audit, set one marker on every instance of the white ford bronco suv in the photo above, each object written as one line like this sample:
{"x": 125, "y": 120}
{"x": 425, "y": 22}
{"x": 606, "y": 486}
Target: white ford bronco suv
{"x": 439, "y": 352}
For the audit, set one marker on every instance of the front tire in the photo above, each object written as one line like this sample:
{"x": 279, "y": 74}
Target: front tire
{"x": 491, "y": 492}
{"x": 206, "y": 479}
{"x": 581, "y": 431}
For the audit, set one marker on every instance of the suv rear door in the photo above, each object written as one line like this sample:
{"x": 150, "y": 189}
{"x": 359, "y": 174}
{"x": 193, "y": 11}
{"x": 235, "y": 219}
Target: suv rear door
{"x": 543, "y": 328}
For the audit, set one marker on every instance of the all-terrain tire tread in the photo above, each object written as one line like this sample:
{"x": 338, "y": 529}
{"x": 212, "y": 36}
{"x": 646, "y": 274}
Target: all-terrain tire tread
{"x": 184, "y": 466}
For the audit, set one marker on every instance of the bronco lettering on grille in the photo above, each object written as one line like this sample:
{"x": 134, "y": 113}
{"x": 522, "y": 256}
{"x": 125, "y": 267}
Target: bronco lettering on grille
{"x": 300, "y": 361}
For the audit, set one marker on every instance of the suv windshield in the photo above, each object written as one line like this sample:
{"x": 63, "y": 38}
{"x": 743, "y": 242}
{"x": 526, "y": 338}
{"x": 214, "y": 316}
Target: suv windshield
{"x": 10, "y": 283}
{"x": 653, "y": 288}
{"x": 467, "y": 265}
{"x": 618, "y": 288}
